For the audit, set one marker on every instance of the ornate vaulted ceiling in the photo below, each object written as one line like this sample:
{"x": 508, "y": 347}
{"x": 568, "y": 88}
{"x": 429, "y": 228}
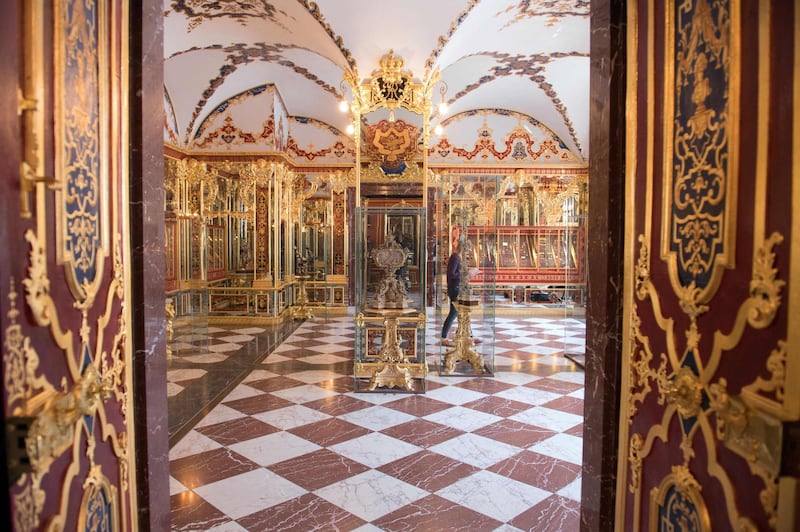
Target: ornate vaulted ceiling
{"x": 504, "y": 65}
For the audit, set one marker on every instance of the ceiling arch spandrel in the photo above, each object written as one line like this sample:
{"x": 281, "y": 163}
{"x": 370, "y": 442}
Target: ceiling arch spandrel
{"x": 498, "y": 136}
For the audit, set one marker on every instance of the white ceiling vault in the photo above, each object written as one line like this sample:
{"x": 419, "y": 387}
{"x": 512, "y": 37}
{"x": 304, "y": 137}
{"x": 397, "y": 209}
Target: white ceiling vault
{"x": 507, "y": 64}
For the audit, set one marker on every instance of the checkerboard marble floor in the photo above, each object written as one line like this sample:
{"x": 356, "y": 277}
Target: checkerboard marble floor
{"x": 292, "y": 447}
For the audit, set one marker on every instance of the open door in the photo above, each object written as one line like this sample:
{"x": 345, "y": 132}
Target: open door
{"x": 711, "y": 353}
{"x": 67, "y": 401}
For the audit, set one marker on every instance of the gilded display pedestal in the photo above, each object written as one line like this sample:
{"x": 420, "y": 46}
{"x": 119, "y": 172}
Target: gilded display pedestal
{"x": 392, "y": 370}
{"x": 464, "y": 348}
{"x": 301, "y": 310}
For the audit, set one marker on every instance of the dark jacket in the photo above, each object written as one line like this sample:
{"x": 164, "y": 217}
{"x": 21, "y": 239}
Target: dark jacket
{"x": 453, "y": 275}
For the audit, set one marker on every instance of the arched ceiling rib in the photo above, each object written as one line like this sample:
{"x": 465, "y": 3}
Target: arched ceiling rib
{"x": 530, "y": 57}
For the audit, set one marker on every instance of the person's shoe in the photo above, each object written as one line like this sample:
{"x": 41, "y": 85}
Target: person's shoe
{"x": 447, "y": 342}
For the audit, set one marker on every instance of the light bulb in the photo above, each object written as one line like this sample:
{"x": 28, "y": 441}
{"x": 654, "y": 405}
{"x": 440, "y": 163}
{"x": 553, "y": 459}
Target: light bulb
{"x": 343, "y": 106}
{"x": 442, "y": 107}
{"x": 438, "y": 129}
{"x": 350, "y": 129}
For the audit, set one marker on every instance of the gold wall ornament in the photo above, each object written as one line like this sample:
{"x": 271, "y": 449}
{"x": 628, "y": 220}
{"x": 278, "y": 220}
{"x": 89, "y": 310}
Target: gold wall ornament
{"x": 776, "y": 384}
{"x": 56, "y": 414}
{"x": 677, "y": 503}
{"x": 701, "y": 142}
{"x": 28, "y": 503}
{"x": 685, "y": 391}
{"x": 753, "y": 435}
{"x": 765, "y": 287}
{"x": 99, "y": 504}
{"x": 37, "y": 285}
{"x": 20, "y": 362}
{"x": 635, "y": 457}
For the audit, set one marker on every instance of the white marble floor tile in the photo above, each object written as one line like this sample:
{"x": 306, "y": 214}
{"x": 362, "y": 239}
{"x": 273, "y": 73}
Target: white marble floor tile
{"x": 377, "y": 417}
{"x": 230, "y": 526}
{"x": 572, "y": 490}
{"x": 274, "y": 448}
{"x": 374, "y": 449}
{"x": 462, "y": 418}
{"x": 291, "y": 417}
{"x": 531, "y": 396}
{"x": 377, "y": 398}
{"x": 313, "y": 376}
{"x": 475, "y": 450}
{"x": 210, "y": 358}
{"x": 331, "y": 348}
{"x": 192, "y": 443}
{"x": 494, "y": 495}
{"x": 512, "y": 377}
{"x": 454, "y": 395}
{"x": 304, "y": 394}
{"x": 547, "y": 418}
{"x": 561, "y": 446}
{"x": 259, "y": 374}
{"x": 242, "y": 392}
{"x": 176, "y": 487}
{"x": 219, "y": 414}
{"x": 249, "y": 330}
{"x": 249, "y": 492}
{"x": 173, "y": 389}
{"x": 224, "y": 348}
{"x": 238, "y": 338}
{"x": 371, "y": 494}
{"x": 327, "y": 358}
{"x": 578, "y": 377}
{"x": 176, "y": 375}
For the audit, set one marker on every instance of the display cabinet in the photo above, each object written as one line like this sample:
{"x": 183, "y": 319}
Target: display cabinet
{"x": 390, "y": 319}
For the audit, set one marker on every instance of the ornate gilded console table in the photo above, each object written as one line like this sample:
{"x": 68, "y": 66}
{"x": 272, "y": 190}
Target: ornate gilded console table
{"x": 392, "y": 368}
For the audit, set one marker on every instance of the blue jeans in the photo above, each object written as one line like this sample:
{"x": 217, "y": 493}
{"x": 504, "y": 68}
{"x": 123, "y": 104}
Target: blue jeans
{"x": 452, "y": 315}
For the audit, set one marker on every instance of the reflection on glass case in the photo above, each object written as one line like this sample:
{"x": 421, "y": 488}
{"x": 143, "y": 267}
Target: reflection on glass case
{"x": 390, "y": 307}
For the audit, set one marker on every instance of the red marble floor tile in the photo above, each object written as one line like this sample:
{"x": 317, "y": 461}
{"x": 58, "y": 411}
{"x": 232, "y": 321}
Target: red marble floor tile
{"x": 428, "y": 470}
{"x": 577, "y": 430}
{"x": 288, "y": 353}
{"x": 258, "y": 403}
{"x": 342, "y": 384}
{"x": 337, "y": 405}
{"x": 554, "y": 514}
{"x": 329, "y": 432}
{"x": 509, "y": 344}
{"x": 538, "y": 470}
{"x": 422, "y": 433}
{"x": 318, "y": 469}
{"x": 209, "y": 466}
{"x": 572, "y": 405}
{"x": 189, "y": 511}
{"x": 484, "y": 385}
{"x": 497, "y": 406}
{"x": 273, "y": 384}
{"x": 554, "y": 385}
{"x": 299, "y": 342}
{"x": 304, "y": 513}
{"x": 417, "y": 405}
{"x": 434, "y": 513}
{"x": 514, "y": 433}
{"x": 237, "y": 430}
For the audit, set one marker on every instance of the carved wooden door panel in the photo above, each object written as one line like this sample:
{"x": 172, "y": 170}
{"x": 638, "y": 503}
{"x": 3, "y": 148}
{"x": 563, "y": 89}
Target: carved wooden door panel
{"x": 65, "y": 322}
{"x": 712, "y": 306}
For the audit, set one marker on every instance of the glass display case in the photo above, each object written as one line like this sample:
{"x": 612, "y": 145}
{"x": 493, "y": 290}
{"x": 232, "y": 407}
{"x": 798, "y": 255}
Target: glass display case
{"x": 390, "y": 319}
{"x": 465, "y": 323}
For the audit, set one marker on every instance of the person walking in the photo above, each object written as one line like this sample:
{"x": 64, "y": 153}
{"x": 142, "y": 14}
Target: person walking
{"x": 453, "y": 288}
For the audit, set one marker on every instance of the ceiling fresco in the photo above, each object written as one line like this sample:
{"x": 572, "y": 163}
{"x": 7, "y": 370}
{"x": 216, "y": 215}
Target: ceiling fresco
{"x": 504, "y": 66}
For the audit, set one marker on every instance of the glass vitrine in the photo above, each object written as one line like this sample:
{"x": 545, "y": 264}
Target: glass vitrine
{"x": 466, "y": 214}
{"x": 390, "y": 318}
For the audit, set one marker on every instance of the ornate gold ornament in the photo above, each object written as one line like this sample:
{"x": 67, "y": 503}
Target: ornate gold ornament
{"x": 678, "y": 503}
{"x": 765, "y": 287}
{"x": 701, "y": 144}
{"x": 776, "y": 365}
{"x": 635, "y": 457}
{"x": 685, "y": 392}
{"x": 754, "y": 436}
